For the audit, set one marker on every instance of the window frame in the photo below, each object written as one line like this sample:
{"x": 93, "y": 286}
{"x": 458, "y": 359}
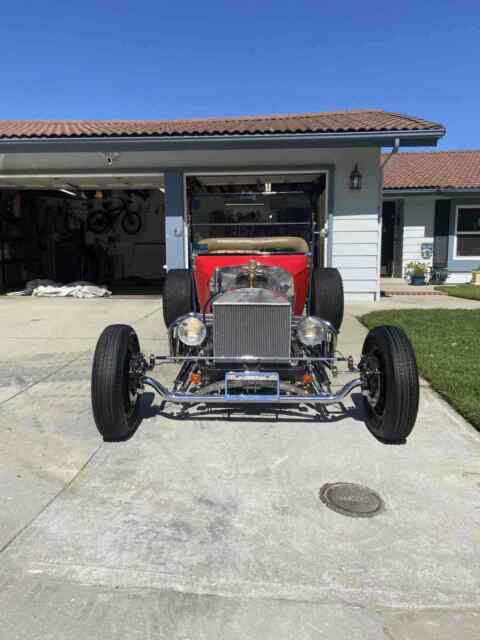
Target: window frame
{"x": 463, "y": 233}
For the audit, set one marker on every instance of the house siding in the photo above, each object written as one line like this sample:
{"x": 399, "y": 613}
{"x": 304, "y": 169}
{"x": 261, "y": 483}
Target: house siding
{"x": 418, "y": 223}
{"x": 354, "y": 233}
{"x": 355, "y": 254}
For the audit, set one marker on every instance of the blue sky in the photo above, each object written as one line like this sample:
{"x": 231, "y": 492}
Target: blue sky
{"x": 124, "y": 59}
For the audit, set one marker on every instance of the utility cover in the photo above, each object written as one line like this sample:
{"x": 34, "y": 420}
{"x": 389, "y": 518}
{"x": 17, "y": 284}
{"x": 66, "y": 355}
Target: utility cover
{"x": 351, "y": 499}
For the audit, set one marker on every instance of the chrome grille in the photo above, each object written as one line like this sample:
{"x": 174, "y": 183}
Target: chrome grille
{"x": 260, "y": 330}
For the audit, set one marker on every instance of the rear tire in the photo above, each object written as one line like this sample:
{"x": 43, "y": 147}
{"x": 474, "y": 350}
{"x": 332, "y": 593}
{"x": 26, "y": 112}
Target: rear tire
{"x": 115, "y": 401}
{"x": 178, "y": 295}
{"x": 327, "y": 296}
{"x": 391, "y": 396}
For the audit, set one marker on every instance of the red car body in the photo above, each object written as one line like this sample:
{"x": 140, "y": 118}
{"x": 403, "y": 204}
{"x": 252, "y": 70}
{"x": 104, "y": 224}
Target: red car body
{"x": 296, "y": 264}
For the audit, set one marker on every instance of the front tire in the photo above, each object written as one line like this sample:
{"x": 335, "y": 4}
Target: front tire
{"x": 115, "y": 401}
{"x": 391, "y": 394}
{"x": 327, "y": 296}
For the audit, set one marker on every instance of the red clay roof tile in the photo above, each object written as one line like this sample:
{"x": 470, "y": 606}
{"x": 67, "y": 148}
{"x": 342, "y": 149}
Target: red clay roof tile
{"x": 433, "y": 170}
{"x": 327, "y": 122}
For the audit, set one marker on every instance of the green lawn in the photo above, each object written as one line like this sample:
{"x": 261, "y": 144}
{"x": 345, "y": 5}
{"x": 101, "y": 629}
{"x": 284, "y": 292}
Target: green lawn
{"x": 447, "y": 346}
{"x": 470, "y": 291}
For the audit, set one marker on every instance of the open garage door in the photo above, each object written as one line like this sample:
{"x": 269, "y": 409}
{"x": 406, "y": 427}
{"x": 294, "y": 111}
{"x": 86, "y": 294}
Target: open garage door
{"x": 108, "y": 230}
{"x": 266, "y": 204}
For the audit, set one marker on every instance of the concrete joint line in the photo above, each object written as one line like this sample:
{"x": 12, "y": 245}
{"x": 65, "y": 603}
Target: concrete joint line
{"x": 49, "y": 375}
{"x": 52, "y": 500}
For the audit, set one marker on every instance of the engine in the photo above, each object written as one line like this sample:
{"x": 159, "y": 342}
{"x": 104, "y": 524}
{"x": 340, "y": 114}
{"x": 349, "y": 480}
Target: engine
{"x": 253, "y": 275}
{"x": 250, "y": 316}
{"x": 252, "y": 311}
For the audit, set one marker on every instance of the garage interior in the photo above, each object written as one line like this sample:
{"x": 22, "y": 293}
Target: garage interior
{"x": 257, "y": 205}
{"x": 110, "y": 230}
{"x": 103, "y": 230}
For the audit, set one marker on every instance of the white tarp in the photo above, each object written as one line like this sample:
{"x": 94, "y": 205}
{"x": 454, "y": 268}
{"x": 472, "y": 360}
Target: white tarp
{"x": 78, "y": 291}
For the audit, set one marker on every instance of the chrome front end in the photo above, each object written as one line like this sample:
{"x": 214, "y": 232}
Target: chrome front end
{"x": 285, "y": 395}
{"x": 251, "y": 354}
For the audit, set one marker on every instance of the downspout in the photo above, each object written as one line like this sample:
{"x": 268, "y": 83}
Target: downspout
{"x": 395, "y": 148}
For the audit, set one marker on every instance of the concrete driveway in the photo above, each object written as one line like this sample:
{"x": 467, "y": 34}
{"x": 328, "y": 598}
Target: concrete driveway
{"x": 207, "y": 525}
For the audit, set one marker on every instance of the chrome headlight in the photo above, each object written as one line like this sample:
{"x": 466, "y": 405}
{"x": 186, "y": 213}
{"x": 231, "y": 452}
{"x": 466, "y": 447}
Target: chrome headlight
{"x": 311, "y": 331}
{"x": 191, "y": 331}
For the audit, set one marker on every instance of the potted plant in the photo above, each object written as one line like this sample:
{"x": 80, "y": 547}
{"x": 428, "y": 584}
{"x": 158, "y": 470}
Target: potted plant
{"x": 476, "y": 276}
{"x": 416, "y": 271}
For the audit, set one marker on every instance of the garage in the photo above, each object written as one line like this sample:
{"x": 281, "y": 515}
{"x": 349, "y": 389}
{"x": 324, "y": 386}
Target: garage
{"x": 258, "y": 205}
{"x": 108, "y": 231}
{"x": 180, "y": 177}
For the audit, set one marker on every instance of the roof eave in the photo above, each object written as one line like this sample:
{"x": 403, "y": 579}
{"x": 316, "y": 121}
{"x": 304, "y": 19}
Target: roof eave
{"x": 417, "y": 137}
{"x": 401, "y": 191}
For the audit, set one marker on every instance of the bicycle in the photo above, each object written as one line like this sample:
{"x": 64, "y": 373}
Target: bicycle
{"x": 103, "y": 220}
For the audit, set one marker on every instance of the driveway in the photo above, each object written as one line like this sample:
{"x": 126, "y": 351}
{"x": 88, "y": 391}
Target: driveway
{"x": 207, "y": 525}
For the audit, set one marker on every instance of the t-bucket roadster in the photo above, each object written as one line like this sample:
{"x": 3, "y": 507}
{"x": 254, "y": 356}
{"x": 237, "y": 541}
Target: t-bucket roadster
{"x": 255, "y": 322}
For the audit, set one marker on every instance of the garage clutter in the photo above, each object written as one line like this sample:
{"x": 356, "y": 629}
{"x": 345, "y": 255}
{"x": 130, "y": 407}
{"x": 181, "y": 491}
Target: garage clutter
{"x": 100, "y": 237}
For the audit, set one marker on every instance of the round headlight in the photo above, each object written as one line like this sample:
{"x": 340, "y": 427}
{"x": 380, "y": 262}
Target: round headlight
{"x": 191, "y": 331}
{"x": 310, "y": 331}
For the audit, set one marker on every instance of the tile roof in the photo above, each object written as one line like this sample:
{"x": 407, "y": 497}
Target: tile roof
{"x": 433, "y": 169}
{"x": 327, "y": 122}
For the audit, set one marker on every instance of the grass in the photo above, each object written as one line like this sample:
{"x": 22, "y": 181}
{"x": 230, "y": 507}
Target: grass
{"x": 469, "y": 291}
{"x": 447, "y": 346}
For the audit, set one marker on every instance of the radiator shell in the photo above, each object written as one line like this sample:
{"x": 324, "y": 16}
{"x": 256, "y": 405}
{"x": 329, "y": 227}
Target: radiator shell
{"x": 251, "y": 322}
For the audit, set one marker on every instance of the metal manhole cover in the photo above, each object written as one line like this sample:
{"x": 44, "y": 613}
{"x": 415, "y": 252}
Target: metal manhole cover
{"x": 351, "y": 499}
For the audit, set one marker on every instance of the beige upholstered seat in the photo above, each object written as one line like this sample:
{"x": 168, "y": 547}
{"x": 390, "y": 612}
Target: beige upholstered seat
{"x": 239, "y": 245}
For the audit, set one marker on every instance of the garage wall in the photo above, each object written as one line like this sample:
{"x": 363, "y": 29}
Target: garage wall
{"x": 353, "y": 239}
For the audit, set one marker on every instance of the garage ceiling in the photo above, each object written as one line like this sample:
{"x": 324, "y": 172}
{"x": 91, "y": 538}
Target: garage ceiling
{"x": 288, "y": 178}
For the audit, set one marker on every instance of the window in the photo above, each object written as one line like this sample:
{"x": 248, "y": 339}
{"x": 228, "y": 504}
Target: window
{"x": 467, "y": 231}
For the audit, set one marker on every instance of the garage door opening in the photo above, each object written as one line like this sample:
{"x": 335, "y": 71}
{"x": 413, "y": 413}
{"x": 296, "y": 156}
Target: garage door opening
{"x": 102, "y": 234}
{"x": 258, "y": 205}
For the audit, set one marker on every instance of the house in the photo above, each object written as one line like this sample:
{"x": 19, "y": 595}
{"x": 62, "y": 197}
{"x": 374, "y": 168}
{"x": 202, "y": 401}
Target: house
{"x": 83, "y": 199}
{"x": 431, "y": 213}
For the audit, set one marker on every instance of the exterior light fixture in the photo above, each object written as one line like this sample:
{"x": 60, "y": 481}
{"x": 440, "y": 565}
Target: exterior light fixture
{"x": 355, "y": 179}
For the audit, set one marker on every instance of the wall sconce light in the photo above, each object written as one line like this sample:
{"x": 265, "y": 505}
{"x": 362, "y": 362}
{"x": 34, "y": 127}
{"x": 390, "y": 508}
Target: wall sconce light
{"x": 355, "y": 179}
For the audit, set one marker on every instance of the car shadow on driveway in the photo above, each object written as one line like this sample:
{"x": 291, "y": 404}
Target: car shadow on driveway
{"x": 256, "y": 413}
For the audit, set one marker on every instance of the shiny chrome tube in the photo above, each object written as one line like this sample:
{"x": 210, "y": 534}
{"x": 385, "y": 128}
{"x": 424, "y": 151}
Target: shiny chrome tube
{"x": 197, "y": 398}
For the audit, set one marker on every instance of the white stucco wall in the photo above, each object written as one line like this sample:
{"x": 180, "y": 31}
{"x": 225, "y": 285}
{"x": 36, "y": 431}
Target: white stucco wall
{"x": 353, "y": 241}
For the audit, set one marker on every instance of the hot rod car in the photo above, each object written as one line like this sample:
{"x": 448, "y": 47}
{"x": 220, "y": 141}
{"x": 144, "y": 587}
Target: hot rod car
{"x": 255, "y": 322}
